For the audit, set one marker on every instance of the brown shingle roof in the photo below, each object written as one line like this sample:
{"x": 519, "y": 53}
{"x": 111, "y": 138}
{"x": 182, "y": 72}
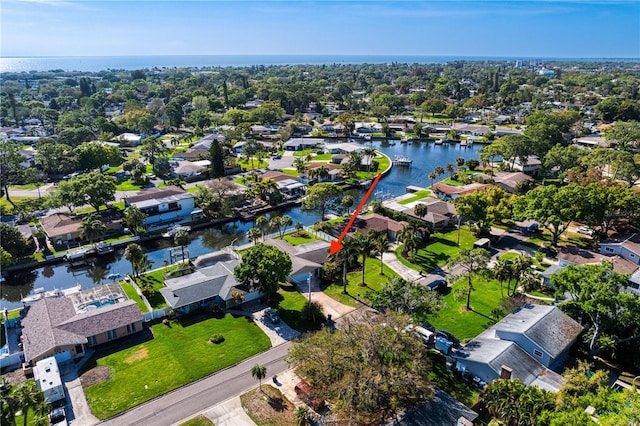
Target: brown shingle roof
{"x": 155, "y": 193}
{"x": 53, "y": 321}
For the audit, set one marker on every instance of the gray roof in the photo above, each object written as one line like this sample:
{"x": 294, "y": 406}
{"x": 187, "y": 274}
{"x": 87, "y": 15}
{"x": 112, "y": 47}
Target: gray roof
{"x": 158, "y": 195}
{"x": 441, "y": 410}
{"x": 496, "y": 353}
{"x": 547, "y": 326}
{"x": 304, "y": 258}
{"x": 53, "y": 321}
{"x": 205, "y": 283}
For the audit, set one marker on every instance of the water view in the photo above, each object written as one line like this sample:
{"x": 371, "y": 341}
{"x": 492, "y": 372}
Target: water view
{"x": 425, "y": 158}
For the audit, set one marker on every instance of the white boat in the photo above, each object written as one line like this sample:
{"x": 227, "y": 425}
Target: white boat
{"x": 78, "y": 253}
{"x": 174, "y": 230}
{"x": 463, "y": 142}
{"x": 402, "y": 160}
{"x": 39, "y": 293}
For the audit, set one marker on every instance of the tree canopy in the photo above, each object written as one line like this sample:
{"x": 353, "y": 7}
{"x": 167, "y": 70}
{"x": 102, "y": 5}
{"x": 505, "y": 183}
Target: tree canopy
{"x": 369, "y": 370}
{"x": 263, "y": 268}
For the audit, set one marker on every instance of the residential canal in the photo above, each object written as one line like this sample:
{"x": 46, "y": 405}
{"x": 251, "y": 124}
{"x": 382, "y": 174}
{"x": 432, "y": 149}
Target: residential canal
{"x": 426, "y": 157}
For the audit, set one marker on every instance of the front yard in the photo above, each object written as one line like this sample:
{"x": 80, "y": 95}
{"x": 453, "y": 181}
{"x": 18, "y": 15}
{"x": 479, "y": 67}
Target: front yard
{"x": 356, "y": 294}
{"x": 178, "y": 354}
{"x": 440, "y": 248}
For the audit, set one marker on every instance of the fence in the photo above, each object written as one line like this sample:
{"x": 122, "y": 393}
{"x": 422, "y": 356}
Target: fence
{"x": 158, "y": 313}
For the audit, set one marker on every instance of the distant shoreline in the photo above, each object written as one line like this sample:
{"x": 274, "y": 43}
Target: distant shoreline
{"x": 103, "y": 63}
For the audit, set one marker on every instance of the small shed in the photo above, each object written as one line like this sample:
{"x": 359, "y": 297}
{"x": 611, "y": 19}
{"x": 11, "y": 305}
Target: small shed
{"x": 484, "y": 243}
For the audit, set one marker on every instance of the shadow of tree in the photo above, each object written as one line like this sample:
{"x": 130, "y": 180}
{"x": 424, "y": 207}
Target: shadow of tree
{"x": 277, "y": 404}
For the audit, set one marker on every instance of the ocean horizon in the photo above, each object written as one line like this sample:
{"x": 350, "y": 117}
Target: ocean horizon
{"x": 103, "y": 63}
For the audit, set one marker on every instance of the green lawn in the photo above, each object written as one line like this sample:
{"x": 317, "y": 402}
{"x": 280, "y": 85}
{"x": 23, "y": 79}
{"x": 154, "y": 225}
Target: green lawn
{"x": 290, "y": 304}
{"x": 416, "y": 196}
{"x": 25, "y": 187}
{"x": 441, "y": 247}
{"x": 322, "y": 157}
{"x": 178, "y": 354}
{"x": 156, "y": 280}
{"x": 6, "y": 206}
{"x": 303, "y": 153}
{"x": 290, "y": 172}
{"x": 298, "y": 238}
{"x": 464, "y": 324}
{"x": 248, "y": 165}
{"x": 372, "y": 278}
{"x": 128, "y": 185}
{"x": 133, "y": 295}
{"x": 510, "y": 255}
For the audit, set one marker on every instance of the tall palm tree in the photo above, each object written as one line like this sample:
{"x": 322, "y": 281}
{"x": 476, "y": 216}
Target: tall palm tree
{"x": 181, "y": 239}
{"x": 409, "y": 237}
{"x": 134, "y": 254}
{"x": 450, "y": 169}
{"x": 364, "y": 244}
{"x": 259, "y": 372}
{"x": 502, "y": 272}
{"x": 520, "y": 265}
{"x": 381, "y": 244}
{"x": 369, "y": 152}
{"x": 420, "y": 210}
{"x": 263, "y": 223}
{"x": 432, "y": 177}
{"x": 92, "y": 227}
{"x": 8, "y": 405}
{"x": 439, "y": 171}
{"x": 254, "y": 234}
{"x": 28, "y": 395}
{"x": 348, "y": 255}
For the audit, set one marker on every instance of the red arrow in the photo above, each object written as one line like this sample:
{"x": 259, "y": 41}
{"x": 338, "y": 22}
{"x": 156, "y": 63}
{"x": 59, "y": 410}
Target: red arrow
{"x": 336, "y": 246}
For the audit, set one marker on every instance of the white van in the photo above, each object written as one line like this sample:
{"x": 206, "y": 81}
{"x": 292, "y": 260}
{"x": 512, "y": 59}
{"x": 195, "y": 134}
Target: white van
{"x": 427, "y": 336}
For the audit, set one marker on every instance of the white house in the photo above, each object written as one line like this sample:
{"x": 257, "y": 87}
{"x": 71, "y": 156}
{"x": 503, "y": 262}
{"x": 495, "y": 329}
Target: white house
{"x": 627, "y": 247}
{"x": 529, "y": 167}
{"x": 130, "y": 139}
{"x": 299, "y": 144}
{"x": 164, "y": 207}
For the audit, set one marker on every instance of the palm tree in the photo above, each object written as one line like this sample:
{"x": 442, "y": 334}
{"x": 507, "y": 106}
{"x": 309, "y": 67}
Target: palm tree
{"x": 460, "y": 161}
{"x": 409, "y": 237}
{"x": 282, "y": 222}
{"x": 502, "y": 272}
{"x": 381, "y": 244}
{"x": 420, "y": 210}
{"x": 92, "y": 227}
{"x": 263, "y": 223}
{"x": 519, "y": 265}
{"x": 369, "y": 152}
{"x": 134, "y": 254}
{"x": 432, "y": 177}
{"x": 450, "y": 169}
{"x": 301, "y": 414}
{"x": 181, "y": 239}
{"x": 151, "y": 148}
{"x": 364, "y": 244}
{"x": 300, "y": 165}
{"x": 347, "y": 256}
{"x": 8, "y": 405}
{"x": 134, "y": 218}
{"x": 28, "y": 395}
{"x": 254, "y": 234}
{"x": 439, "y": 171}
{"x": 259, "y": 372}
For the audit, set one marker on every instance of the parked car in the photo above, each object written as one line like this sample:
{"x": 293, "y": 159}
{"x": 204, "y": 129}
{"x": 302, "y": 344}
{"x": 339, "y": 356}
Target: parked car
{"x": 450, "y": 337}
{"x": 532, "y": 228}
{"x": 585, "y": 230}
{"x": 272, "y": 316}
{"x": 437, "y": 285}
{"x": 57, "y": 417}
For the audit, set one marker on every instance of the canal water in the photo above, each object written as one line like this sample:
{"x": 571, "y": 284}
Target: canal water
{"x": 426, "y": 157}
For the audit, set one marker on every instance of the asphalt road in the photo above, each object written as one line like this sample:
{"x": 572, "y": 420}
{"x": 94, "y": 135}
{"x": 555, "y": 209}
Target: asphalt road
{"x": 191, "y": 399}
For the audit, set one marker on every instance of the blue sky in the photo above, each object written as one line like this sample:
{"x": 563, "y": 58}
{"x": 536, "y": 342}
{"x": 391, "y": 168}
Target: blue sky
{"x": 517, "y": 28}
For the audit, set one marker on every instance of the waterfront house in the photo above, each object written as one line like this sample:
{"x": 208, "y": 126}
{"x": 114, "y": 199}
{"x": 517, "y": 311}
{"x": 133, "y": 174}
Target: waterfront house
{"x": 164, "y": 207}
{"x": 62, "y": 229}
{"x": 212, "y": 283}
{"x": 530, "y": 166}
{"x": 66, "y": 326}
{"x": 451, "y": 192}
{"x": 306, "y": 259}
{"x": 528, "y": 344}
{"x": 511, "y": 181}
{"x": 379, "y": 224}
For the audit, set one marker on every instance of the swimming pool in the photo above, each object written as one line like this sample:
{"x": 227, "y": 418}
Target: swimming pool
{"x": 95, "y": 304}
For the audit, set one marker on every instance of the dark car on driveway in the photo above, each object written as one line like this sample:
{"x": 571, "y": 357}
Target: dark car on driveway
{"x": 272, "y": 316}
{"x": 437, "y": 285}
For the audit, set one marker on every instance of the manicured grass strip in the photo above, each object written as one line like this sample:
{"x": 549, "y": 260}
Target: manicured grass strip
{"x": 372, "y": 278}
{"x": 416, "y": 197}
{"x": 441, "y": 247}
{"x": 250, "y": 165}
{"x": 299, "y": 238}
{"x": 464, "y": 324}
{"x": 290, "y": 172}
{"x": 128, "y": 185}
{"x": 132, "y": 294}
{"x": 303, "y": 153}
{"x": 178, "y": 354}
{"x": 198, "y": 421}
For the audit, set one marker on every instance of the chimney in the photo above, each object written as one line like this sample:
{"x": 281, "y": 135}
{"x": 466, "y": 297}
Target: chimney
{"x": 505, "y": 372}
{"x": 463, "y": 421}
